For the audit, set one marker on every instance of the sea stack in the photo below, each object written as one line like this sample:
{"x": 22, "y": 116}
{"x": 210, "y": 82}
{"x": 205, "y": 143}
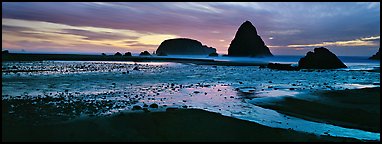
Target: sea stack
{"x": 377, "y": 56}
{"x": 321, "y": 58}
{"x": 248, "y": 43}
{"x": 184, "y": 46}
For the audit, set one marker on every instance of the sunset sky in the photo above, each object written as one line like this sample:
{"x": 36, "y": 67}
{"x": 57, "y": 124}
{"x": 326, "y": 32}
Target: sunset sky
{"x": 347, "y": 28}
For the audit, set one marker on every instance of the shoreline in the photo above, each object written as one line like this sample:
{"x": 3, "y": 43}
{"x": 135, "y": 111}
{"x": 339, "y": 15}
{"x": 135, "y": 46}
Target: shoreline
{"x": 78, "y": 57}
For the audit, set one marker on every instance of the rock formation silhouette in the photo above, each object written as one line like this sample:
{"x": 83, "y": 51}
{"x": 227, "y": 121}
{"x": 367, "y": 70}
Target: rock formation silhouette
{"x": 183, "y": 46}
{"x": 248, "y": 43}
{"x": 377, "y": 56}
{"x": 118, "y": 54}
{"x": 321, "y": 58}
{"x": 127, "y": 54}
{"x": 145, "y": 53}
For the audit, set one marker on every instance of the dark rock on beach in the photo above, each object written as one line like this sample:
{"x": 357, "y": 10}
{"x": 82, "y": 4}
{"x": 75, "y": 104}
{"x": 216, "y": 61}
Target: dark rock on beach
{"x": 136, "y": 107}
{"x": 321, "y": 58}
{"x": 248, "y": 43}
{"x": 153, "y": 105}
{"x": 184, "y": 46}
{"x": 279, "y": 66}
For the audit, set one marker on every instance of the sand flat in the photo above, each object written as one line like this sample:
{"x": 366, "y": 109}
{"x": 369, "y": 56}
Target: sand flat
{"x": 174, "y": 125}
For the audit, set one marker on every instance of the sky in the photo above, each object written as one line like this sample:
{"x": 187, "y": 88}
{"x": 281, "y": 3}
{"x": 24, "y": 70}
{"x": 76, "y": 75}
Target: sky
{"x": 287, "y": 28}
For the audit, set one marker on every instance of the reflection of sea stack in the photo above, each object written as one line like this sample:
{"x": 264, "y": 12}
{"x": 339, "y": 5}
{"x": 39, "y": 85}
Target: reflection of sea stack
{"x": 184, "y": 46}
{"x": 376, "y": 56}
{"x": 248, "y": 43}
{"x": 321, "y": 58}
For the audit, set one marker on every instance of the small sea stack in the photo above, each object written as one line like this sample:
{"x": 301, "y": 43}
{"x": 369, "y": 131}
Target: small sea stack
{"x": 118, "y": 54}
{"x": 321, "y": 58}
{"x": 127, "y": 54}
{"x": 145, "y": 53}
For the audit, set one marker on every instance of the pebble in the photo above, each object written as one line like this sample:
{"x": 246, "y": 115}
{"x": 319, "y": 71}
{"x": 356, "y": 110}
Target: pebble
{"x": 154, "y": 105}
{"x": 136, "y": 107}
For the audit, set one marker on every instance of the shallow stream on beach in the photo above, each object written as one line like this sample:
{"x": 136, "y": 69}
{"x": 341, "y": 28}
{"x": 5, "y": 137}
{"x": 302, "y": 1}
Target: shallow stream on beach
{"x": 67, "y": 90}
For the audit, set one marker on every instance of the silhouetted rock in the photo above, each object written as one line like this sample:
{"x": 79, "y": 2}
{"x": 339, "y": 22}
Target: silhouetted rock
{"x": 376, "y": 56}
{"x": 282, "y": 66}
{"x": 118, "y": 54}
{"x": 127, "y": 54}
{"x": 136, "y": 107}
{"x": 103, "y": 54}
{"x": 213, "y": 54}
{"x": 145, "y": 53}
{"x": 184, "y": 46}
{"x": 154, "y": 105}
{"x": 321, "y": 58}
{"x": 161, "y": 54}
{"x": 248, "y": 43}
{"x": 4, "y": 52}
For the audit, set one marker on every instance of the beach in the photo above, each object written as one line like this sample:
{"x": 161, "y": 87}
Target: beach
{"x": 177, "y": 101}
{"x": 174, "y": 125}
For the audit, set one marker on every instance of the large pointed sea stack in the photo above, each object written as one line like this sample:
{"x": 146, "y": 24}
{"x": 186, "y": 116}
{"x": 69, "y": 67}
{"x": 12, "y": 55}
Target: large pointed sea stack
{"x": 248, "y": 43}
{"x": 321, "y": 58}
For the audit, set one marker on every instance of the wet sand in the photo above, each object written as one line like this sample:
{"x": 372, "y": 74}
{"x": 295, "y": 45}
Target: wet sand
{"x": 173, "y": 125}
{"x": 357, "y": 108}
